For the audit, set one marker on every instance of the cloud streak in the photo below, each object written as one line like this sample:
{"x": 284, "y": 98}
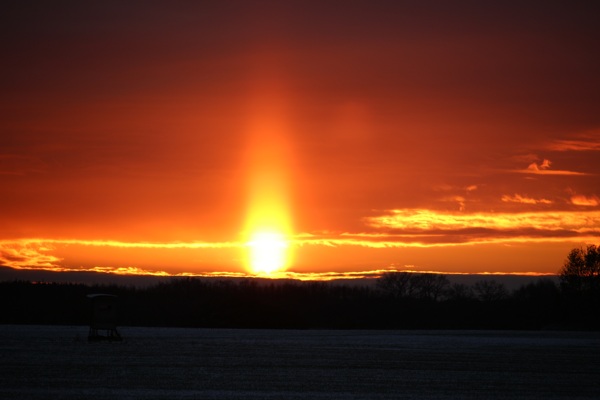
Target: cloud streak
{"x": 40, "y": 253}
{"x": 28, "y": 254}
{"x": 434, "y": 227}
{"x": 517, "y": 198}
{"x": 543, "y": 168}
{"x": 589, "y": 141}
{"x": 580, "y": 200}
{"x": 427, "y": 220}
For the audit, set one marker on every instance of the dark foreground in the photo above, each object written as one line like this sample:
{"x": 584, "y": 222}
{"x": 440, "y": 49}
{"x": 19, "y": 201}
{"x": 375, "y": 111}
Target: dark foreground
{"x": 50, "y": 362}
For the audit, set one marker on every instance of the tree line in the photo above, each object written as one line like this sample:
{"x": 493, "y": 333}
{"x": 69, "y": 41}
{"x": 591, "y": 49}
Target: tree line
{"x": 398, "y": 300}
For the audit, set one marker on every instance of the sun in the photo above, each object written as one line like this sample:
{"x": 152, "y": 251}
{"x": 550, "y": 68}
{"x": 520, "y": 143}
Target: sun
{"x": 267, "y": 252}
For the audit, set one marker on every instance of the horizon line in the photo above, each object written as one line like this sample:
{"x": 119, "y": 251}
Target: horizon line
{"x": 282, "y": 275}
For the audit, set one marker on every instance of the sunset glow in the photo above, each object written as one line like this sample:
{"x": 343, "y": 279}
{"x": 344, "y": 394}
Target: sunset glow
{"x": 298, "y": 139}
{"x": 267, "y": 253}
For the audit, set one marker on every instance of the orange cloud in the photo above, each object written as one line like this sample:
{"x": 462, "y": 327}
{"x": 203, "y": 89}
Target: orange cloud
{"x": 136, "y": 245}
{"x": 28, "y": 255}
{"x": 445, "y": 227}
{"x": 588, "y": 141}
{"x": 544, "y": 169}
{"x": 460, "y": 200}
{"x": 535, "y": 168}
{"x": 580, "y": 200}
{"x": 517, "y": 198}
{"x": 47, "y": 253}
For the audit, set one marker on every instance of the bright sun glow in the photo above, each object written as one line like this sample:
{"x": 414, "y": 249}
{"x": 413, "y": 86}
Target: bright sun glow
{"x": 268, "y": 252}
{"x": 269, "y": 219}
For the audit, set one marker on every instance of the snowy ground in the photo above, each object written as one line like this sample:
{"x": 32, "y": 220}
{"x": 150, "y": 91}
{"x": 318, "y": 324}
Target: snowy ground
{"x": 49, "y": 362}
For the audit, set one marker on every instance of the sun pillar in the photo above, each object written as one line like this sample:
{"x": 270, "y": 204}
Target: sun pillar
{"x": 268, "y": 222}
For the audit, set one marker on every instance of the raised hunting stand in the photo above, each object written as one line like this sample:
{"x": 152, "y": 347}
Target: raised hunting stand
{"x": 103, "y": 321}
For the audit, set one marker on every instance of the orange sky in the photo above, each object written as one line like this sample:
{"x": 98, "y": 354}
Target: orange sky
{"x": 391, "y": 135}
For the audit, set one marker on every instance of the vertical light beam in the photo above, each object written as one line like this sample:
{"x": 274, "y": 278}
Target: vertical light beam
{"x": 268, "y": 221}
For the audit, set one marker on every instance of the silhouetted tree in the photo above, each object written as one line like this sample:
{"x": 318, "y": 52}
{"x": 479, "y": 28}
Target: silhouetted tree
{"x": 429, "y": 286}
{"x": 413, "y": 285}
{"x": 537, "y": 304}
{"x": 580, "y": 274}
{"x": 460, "y": 292}
{"x": 543, "y": 291}
{"x": 580, "y": 286}
{"x": 396, "y": 284}
{"x": 490, "y": 291}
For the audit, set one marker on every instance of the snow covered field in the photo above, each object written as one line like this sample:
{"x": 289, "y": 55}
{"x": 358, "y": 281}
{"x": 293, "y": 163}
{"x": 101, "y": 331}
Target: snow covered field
{"x": 52, "y": 362}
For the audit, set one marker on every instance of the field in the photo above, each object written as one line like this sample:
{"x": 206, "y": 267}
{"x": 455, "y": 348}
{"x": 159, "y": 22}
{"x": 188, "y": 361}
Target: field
{"x": 57, "y": 362}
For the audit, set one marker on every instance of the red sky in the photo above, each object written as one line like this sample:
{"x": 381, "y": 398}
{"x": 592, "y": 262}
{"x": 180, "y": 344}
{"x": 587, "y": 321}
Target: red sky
{"x": 380, "y": 135}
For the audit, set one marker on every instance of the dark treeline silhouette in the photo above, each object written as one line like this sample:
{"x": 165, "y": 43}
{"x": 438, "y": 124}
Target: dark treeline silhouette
{"x": 580, "y": 285}
{"x": 398, "y": 301}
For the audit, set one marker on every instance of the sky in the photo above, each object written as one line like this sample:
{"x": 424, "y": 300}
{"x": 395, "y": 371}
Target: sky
{"x": 298, "y": 138}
